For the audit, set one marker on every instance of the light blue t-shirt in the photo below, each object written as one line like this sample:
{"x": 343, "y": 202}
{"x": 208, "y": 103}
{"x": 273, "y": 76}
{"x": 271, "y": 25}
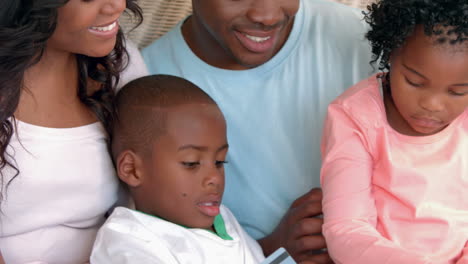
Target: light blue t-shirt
{"x": 275, "y": 112}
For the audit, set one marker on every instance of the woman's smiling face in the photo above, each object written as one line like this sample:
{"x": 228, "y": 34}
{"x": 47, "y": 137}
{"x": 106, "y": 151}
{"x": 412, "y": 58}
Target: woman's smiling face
{"x": 87, "y": 27}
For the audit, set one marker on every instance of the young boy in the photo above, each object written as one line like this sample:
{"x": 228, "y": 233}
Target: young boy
{"x": 169, "y": 146}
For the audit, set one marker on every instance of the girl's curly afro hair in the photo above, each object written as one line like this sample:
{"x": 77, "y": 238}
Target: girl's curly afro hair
{"x": 393, "y": 21}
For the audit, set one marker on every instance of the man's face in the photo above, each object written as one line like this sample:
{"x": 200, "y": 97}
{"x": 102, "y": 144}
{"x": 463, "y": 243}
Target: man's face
{"x": 240, "y": 34}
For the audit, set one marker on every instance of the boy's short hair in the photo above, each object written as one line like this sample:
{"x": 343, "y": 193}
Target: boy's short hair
{"x": 141, "y": 110}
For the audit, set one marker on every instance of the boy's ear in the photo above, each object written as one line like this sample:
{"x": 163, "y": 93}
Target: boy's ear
{"x": 129, "y": 168}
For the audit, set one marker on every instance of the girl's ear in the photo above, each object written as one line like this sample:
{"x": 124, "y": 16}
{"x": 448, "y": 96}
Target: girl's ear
{"x": 129, "y": 168}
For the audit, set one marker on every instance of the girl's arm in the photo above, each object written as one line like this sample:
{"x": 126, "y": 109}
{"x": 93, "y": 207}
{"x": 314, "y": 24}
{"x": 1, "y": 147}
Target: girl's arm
{"x": 350, "y": 214}
{"x": 1, "y": 259}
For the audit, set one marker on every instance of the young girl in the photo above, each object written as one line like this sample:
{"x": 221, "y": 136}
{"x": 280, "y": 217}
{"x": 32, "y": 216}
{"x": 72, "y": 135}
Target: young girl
{"x": 395, "y": 146}
{"x": 59, "y": 63}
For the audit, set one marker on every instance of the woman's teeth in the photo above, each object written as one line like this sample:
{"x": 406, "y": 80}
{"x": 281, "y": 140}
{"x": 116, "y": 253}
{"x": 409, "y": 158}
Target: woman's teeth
{"x": 107, "y": 28}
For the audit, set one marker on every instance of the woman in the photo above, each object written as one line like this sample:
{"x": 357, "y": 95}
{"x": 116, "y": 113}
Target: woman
{"x": 59, "y": 63}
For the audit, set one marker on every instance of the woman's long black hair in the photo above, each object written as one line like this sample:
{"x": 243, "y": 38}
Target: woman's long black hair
{"x": 25, "y": 27}
{"x": 393, "y": 21}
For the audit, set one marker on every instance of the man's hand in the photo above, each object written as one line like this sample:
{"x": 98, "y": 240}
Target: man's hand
{"x": 299, "y": 232}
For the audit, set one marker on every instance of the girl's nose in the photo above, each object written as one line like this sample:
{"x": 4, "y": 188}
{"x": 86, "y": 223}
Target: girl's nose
{"x": 432, "y": 103}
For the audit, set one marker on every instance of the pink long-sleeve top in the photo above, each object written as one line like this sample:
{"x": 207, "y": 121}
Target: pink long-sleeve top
{"x": 388, "y": 197}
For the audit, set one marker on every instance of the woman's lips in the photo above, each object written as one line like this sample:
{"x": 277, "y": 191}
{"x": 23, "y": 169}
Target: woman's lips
{"x": 106, "y": 31}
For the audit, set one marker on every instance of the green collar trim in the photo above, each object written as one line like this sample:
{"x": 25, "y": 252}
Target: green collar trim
{"x": 218, "y": 225}
{"x": 220, "y": 228}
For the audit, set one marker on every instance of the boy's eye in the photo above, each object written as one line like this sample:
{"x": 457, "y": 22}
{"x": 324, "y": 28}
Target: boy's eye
{"x": 412, "y": 83}
{"x": 220, "y": 163}
{"x": 190, "y": 164}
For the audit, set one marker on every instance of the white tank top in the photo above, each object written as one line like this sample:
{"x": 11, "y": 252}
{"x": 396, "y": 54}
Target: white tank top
{"x": 52, "y": 210}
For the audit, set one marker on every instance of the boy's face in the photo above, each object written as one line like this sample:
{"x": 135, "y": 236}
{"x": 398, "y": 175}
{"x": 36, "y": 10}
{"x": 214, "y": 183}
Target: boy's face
{"x": 184, "y": 177}
{"x": 247, "y": 33}
{"x": 429, "y": 84}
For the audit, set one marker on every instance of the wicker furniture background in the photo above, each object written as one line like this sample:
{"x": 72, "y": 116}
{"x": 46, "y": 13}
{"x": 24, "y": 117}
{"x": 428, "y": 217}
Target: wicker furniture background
{"x": 161, "y": 15}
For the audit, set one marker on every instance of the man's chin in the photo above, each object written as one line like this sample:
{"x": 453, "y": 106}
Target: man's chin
{"x": 250, "y": 63}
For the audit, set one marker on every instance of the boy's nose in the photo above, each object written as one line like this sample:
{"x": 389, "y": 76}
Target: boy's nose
{"x": 214, "y": 177}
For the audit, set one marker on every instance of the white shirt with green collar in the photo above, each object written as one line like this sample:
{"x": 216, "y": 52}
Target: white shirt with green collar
{"x": 129, "y": 236}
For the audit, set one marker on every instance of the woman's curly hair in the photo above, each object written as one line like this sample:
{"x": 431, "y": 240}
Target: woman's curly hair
{"x": 393, "y": 21}
{"x": 25, "y": 27}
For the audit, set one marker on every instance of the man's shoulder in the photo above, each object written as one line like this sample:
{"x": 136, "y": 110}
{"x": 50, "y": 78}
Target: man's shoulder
{"x": 161, "y": 45}
{"x": 164, "y": 54}
{"x": 334, "y": 19}
{"x": 331, "y": 10}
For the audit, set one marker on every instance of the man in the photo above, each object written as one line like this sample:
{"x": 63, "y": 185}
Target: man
{"x": 272, "y": 66}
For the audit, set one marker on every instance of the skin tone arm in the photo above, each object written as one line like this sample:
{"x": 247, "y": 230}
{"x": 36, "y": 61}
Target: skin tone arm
{"x": 1, "y": 259}
{"x": 299, "y": 232}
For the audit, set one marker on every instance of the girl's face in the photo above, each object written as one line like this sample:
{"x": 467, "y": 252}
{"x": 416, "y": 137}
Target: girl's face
{"x": 429, "y": 85}
{"x": 87, "y": 27}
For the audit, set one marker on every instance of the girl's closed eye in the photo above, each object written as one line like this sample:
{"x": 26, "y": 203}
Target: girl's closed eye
{"x": 412, "y": 83}
{"x": 458, "y": 93}
{"x": 190, "y": 164}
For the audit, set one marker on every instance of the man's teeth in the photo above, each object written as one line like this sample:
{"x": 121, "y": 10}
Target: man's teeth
{"x": 257, "y": 39}
{"x": 108, "y": 28}
{"x": 210, "y": 204}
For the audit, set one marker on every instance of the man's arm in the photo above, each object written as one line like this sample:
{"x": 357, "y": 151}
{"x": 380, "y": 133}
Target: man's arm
{"x": 299, "y": 232}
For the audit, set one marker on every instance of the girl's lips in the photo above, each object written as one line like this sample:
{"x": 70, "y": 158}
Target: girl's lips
{"x": 427, "y": 122}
